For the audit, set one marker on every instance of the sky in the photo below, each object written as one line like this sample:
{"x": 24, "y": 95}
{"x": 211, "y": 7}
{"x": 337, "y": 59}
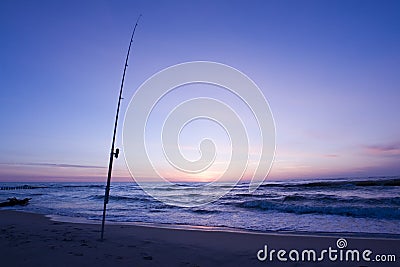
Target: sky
{"x": 328, "y": 69}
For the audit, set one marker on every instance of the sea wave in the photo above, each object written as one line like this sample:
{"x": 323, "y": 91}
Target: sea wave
{"x": 84, "y": 186}
{"x": 204, "y": 211}
{"x": 342, "y": 210}
{"x": 325, "y": 199}
{"x": 122, "y": 198}
{"x": 338, "y": 183}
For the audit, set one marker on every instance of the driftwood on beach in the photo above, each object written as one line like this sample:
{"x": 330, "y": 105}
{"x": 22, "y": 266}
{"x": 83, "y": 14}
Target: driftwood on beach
{"x": 14, "y": 201}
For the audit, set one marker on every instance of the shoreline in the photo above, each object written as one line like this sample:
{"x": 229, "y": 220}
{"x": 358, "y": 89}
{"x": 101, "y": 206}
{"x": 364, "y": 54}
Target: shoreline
{"x": 29, "y": 239}
{"x": 78, "y": 220}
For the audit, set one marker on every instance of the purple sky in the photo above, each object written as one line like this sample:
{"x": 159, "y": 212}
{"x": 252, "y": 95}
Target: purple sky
{"x": 329, "y": 70}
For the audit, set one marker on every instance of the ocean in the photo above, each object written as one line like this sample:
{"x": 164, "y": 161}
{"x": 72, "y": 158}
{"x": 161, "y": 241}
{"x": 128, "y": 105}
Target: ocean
{"x": 359, "y": 206}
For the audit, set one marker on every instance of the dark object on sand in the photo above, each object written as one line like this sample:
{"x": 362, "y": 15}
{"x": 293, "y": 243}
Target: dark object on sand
{"x": 14, "y": 201}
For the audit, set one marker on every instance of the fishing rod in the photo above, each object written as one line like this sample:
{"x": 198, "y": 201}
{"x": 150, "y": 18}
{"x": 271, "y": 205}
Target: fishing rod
{"x": 116, "y": 153}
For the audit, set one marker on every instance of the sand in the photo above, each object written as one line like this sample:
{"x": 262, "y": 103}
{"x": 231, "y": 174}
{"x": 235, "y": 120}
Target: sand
{"x": 28, "y": 239}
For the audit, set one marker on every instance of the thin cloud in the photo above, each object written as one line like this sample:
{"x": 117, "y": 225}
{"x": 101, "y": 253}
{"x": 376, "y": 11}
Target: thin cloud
{"x": 389, "y": 149}
{"x": 331, "y": 156}
{"x": 55, "y": 165}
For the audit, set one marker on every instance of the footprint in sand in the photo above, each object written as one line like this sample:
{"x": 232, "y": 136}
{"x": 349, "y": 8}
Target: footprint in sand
{"x": 146, "y": 256}
{"x": 76, "y": 253}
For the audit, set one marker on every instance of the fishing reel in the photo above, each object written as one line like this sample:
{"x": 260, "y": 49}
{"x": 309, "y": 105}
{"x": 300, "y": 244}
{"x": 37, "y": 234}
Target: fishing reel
{"x": 116, "y": 153}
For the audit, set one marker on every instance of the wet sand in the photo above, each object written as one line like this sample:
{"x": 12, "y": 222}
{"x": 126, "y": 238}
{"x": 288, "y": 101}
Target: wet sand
{"x": 28, "y": 239}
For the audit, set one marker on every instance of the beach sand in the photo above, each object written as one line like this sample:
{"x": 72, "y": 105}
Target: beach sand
{"x": 28, "y": 239}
